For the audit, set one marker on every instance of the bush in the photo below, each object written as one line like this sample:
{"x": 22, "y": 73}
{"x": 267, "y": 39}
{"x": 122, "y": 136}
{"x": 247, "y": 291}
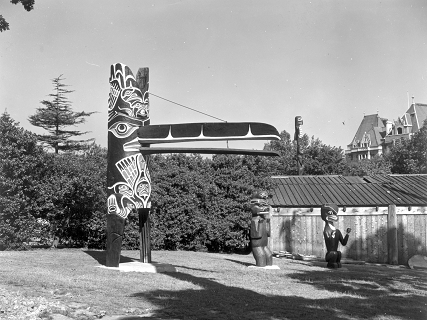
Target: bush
{"x": 202, "y": 204}
{"x": 22, "y": 167}
{"x": 77, "y": 188}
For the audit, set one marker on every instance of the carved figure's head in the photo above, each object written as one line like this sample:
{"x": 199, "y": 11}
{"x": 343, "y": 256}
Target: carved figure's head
{"x": 329, "y": 212}
{"x": 298, "y": 121}
{"x": 127, "y": 108}
{"x": 259, "y": 202}
{"x": 298, "y": 124}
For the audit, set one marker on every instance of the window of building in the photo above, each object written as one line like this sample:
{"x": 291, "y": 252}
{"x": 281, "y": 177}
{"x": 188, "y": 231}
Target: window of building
{"x": 399, "y": 131}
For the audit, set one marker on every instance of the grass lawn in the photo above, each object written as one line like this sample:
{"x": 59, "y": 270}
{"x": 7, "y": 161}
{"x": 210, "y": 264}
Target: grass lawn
{"x": 217, "y": 286}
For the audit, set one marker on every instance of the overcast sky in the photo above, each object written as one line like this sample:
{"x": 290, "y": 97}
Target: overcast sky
{"x": 330, "y": 62}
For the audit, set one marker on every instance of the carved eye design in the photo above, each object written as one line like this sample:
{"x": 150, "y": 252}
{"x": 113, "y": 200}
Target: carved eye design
{"x": 122, "y": 129}
{"x": 127, "y": 92}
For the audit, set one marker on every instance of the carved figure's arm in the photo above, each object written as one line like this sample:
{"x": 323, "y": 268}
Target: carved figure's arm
{"x": 345, "y": 239}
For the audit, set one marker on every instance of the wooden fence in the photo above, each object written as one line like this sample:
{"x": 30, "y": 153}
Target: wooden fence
{"x": 300, "y": 230}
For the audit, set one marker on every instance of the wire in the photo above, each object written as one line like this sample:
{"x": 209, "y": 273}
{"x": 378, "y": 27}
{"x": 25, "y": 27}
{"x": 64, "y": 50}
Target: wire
{"x": 152, "y": 94}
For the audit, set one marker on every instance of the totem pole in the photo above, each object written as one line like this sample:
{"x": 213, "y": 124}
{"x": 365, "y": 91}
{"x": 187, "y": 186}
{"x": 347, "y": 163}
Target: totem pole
{"x": 297, "y": 136}
{"x": 260, "y": 229}
{"x": 128, "y": 178}
{"x": 332, "y": 235}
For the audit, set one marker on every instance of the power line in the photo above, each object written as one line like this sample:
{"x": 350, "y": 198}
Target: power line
{"x": 181, "y": 105}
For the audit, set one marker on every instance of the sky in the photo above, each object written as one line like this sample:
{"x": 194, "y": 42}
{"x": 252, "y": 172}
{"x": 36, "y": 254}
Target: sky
{"x": 330, "y": 62}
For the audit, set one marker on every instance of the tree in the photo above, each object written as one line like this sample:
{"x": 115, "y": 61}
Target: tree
{"x": 179, "y": 187}
{"x": 368, "y": 167}
{"x": 55, "y": 116}
{"x": 4, "y": 25}
{"x": 28, "y": 5}
{"x": 321, "y": 159}
{"x": 317, "y": 158}
{"x": 76, "y": 184}
{"x": 410, "y": 156}
{"x": 286, "y": 163}
{"x": 22, "y": 167}
{"x": 202, "y": 204}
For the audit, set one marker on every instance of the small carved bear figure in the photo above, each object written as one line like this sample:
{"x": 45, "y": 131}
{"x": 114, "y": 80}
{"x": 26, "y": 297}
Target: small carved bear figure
{"x": 332, "y": 235}
{"x": 260, "y": 229}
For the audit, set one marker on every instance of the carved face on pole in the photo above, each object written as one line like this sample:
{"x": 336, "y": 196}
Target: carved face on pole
{"x": 329, "y": 212}
{"x": 259, "y": 203}
{"x": 298, "y": 124}
{"x": 129, "y": 183}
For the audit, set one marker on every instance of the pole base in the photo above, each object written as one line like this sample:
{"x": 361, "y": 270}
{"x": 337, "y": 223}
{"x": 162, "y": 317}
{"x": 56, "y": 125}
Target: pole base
{"x": 136, "y": 266}
{"x": 273, "y": 267}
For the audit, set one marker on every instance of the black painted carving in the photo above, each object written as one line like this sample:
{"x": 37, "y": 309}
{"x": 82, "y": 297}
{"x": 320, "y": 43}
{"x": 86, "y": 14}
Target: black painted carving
{"x": 333, "y": 236}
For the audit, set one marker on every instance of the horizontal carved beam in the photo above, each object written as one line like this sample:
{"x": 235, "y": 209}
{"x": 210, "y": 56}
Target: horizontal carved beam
{"x": 159, "y": 150}
{"x": 210, "y": 131}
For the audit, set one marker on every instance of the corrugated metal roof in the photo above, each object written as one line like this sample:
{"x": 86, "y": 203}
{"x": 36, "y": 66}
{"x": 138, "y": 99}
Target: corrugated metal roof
{"x": 379, "y": 190}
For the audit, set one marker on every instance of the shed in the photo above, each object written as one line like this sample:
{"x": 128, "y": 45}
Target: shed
{"x": 387, "y": 215}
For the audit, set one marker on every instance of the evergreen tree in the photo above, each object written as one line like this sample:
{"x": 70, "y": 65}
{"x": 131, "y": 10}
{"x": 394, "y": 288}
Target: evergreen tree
{"x": 55, "y": 116}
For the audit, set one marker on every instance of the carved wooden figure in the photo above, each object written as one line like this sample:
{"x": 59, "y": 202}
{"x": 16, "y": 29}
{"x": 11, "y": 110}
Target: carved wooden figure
{"x": 332, "y": 235}
{"x": 260, "y": 229}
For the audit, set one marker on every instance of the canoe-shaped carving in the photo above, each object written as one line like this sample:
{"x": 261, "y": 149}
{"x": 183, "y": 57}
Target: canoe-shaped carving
{"x": 250, "y": 152}
{"x": 211, "y": 131}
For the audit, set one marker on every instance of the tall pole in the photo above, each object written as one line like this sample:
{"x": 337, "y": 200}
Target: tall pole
{"x": 128, "y": 178}
{"x": 297, "y": 136}
{"x": 142, "y": 80}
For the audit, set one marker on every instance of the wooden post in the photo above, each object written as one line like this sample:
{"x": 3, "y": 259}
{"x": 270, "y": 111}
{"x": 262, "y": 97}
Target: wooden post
{"x": 142, "y": 80}
{"x": 144, "y": 235}
{"x": 146, "y": 242}
{"x": 270, "y": 238}
{"x": 392, "y": 246}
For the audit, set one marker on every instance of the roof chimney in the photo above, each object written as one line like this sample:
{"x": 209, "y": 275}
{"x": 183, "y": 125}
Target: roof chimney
{"x": 413, "y": 102}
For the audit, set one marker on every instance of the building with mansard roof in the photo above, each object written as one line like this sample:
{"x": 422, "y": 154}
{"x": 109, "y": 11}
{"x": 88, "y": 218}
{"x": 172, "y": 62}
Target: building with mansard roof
{"x": 376, "y": 135}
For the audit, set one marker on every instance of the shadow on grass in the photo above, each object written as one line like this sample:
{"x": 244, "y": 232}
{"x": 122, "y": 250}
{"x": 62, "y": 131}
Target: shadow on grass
{"x": 394, "y": 294}
{"x": 246, "y": 264}
{"x": 100, "y": 256}
{"x": 356, "y": 297}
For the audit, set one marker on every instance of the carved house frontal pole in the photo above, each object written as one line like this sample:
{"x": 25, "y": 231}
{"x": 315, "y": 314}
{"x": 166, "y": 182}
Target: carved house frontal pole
{"x": 128, "y": 177}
